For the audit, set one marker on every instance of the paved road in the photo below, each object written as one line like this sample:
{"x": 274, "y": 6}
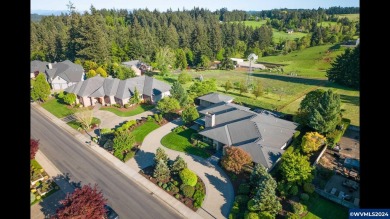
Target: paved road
{"x": 84, "y": 166}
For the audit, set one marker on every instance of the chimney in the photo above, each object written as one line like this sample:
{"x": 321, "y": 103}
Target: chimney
{"x": 49, "y": 66}
{"x": 209, "y": 120}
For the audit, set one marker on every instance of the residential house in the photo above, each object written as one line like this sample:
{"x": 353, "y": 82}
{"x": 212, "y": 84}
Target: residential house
{"x": 289, "y": 31}
{"x": 138, "y": 66}
{"x": 212, "y": 98}
{"x": 37, "y": 67}
{"x": 263, "y": 135}
{"x": 107, "y": 91}
{"x": 64, "y": 74}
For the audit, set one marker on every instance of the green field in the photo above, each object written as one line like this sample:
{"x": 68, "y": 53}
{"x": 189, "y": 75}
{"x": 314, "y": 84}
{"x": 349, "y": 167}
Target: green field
{"x": 253, "y": 24}
{"x": 137, "y": 110}
{"x": 57, "y": 108}
{"x": 327, "y": 23}
{"x": 353, "y": 17}
{"x": 281, "y": 35}
{"x": 310, "y": 62}
{"x": 320, "y": 207}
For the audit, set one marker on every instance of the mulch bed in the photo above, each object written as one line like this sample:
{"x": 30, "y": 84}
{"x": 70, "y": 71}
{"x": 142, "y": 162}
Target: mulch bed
{"x": 147, "y": 172}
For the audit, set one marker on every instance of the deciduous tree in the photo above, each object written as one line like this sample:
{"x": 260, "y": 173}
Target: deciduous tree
{"x": 258, "y": 89}
{"x": 168, "y": 104}
{"x": 85, "y": 202}
{"x": 179, "y": 93}
{"x": 312, "y": 141}
{"x": 184, "y": 77}
{"x": 295, "y": 168}
{"x": 235, "y": 158}
{"x": 34, "y": 146}
{"x": 101, "y": 72}
{"x": 189, "y": 114}
{"x": 84, "y": 117}
{"x": 228, "y": 85}
{"x": 70, "y": 98}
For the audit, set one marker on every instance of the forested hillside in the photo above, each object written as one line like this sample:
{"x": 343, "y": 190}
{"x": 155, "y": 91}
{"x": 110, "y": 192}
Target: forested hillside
{"x": 108, "y": 36}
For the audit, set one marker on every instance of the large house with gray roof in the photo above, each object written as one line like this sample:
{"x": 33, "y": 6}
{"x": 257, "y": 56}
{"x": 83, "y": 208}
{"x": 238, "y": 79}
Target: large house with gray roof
{"x": 263, "y": 135}
{"x": 59, "y": 75}
{"x": 108, "y": 91}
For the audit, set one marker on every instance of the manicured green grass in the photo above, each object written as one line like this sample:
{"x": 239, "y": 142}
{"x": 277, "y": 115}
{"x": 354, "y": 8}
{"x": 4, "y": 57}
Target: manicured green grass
{"x": 132, "y": 112}
{"x": 143, "y": 130}
{"x": 55, "y": 189}
{"x": 253, "y": 24}
{"x": 181, "y": 142}
{"x": 320, "y": 207}
{"x": 309, "y": 62}
{"x": 277, "y": 36}
{"x": 327, "y": 23}
{"x": 35, "y": 164}
{"x": 353, "y": 17}
{"x": 57, "y": 108}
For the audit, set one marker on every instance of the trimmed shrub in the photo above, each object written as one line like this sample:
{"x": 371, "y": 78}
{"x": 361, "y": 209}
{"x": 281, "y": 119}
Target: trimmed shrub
{"x": 236, "y": 207}
{"x": 174, "y": 189}
{"x": 298, "y": 208}
{"x": 294, "y": 190}
{"x": 116, "y": 105}
{"x": 198, "y": 198}
{"x": 179, "y": 129}
{"x": 266, "y": 215}
{"x": 232, "y": 216}
{"x": 252, "y": 205}
{"x": 200, "y": 187}
{"x": 188, "y": 177}
{"x": 308, "y": 188}
{"x": 188, "y": 191}
{"x": 304, "y": 197}
{"x": 127, "y": 105}
{"x": 242, "y": 200}
{"x": 38, "y": 197}
{"x": 244, "y": 189}
{"x": 251, "y": 215}
{"x": 149, "y": 119}
{"x": 159, "y": 184}
{"x": 177, "y": 196}
{"x": 176, "y": 183}
{"x": 164, "y": 186}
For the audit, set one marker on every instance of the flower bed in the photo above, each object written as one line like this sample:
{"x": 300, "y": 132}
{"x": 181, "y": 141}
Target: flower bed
{"x": 173, "y": 185}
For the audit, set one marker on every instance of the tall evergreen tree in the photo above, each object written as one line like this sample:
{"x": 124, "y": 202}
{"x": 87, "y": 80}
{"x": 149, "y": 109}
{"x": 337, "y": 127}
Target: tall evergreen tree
{"x": 179, "y": 93}
{"x": 345, "y": 69}
{"x": 41, "y": 89}
{"x": 265, "y": 198}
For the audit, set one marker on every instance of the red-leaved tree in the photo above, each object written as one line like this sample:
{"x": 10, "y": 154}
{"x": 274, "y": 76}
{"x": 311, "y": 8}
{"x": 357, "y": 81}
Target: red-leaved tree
{"x": 235, "y": 158}
{"x": 87, "y": 202}
{"x": 34, "y": 146}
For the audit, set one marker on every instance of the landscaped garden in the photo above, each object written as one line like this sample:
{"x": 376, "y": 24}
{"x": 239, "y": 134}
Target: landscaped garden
{"x": 124, "y": 141}
{"x": 78, "y": 126}
{"x": 176, "y": 179}
{"x": 182, "y": 139}
{"x": 41, "y": 186}
{"x": 130, "y": 111}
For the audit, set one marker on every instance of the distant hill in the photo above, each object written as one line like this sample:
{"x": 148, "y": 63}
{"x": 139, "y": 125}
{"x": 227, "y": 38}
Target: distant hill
{"x": 48, "y": 12}
{"x": 36, "y": 17}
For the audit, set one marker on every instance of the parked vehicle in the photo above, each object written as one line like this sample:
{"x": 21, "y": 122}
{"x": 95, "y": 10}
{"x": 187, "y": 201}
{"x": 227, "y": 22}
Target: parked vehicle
{"x": 110, "y": 213}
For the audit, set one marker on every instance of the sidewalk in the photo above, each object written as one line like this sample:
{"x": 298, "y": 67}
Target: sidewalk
{"x": 122, "y": 167}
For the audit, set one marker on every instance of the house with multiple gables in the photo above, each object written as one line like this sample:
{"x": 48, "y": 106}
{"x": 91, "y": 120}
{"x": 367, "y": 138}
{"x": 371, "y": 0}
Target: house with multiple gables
{"x": 137, "y": 66}
{"x": 60, "y": 75}
{"x": 108, "y": 91}
{"x": 263, "y": 135}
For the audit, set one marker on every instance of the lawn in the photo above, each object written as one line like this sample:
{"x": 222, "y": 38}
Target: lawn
{"x": 181, "y": 142}
{"x": 327, "y": 23}
{"x": 131, "y": 112}
{"x": 76, "y": 125}
{"x": 143, "y": 130}
{"x": 280, "y": 35}
{"x": 253, "y": 24}
{"x": 309, "y": 62}
{"x": 320, "y": 207}
{"x": 353, "y": 17}
{"x": 57, "y": 108}
{"x": 294, "y": 90}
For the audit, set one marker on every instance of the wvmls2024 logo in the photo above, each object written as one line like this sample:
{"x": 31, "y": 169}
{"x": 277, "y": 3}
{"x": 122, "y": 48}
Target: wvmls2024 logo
{"x": 369, "y": 213}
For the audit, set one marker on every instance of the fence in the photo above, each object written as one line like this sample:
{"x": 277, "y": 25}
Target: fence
{"x": 336, "y": 199}
{"x": 319, "y": 156}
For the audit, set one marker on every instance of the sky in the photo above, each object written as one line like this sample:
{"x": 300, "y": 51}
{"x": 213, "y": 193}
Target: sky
{"x": 163, "y": 5}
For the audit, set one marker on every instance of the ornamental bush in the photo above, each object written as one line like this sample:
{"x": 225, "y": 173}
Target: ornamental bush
{"x": 308, "y": 188}
{"x": 187, "y": 191}
{"x": 304, "y": 197}
{"x": 244, "y": 189}
{"x": 188, "y": 177}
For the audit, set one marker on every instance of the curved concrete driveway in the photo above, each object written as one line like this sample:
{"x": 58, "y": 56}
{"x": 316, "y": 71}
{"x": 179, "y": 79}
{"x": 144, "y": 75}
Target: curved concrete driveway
{"x": 219, "y": 190}
{"x": 111, "y": 120}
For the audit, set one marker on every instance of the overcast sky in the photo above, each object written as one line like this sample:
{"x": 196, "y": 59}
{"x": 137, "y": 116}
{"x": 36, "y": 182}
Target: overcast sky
{"x": 163, "y": 5}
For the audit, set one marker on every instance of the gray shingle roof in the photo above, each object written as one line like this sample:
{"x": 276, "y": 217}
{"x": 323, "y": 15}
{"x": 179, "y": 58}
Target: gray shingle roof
{"x": 215, "y": 98}
{"x": 37, "y": 65}
{"x": 222, "y": 107}
{"x": 67, "y": 70}
{"x": 122, "y": 89}
{"x": 261, "y": 135}
{"x": 131, "y": 63}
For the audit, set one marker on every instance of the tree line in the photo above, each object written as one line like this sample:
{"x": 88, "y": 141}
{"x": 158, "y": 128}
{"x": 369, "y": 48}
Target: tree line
{"x": 113, "y": 36}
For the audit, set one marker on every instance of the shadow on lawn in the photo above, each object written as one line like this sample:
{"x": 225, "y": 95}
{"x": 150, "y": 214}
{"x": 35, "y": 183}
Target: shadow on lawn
{"x": 144, "y": 159}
